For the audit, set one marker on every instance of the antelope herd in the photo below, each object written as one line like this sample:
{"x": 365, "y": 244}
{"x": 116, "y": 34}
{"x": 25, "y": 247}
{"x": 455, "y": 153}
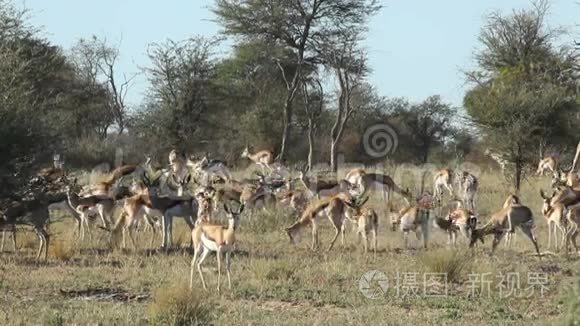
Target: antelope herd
{"x": 159, "y": 193}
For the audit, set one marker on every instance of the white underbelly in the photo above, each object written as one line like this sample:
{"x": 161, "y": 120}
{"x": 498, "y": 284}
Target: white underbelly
{"x": 208, "y": 243}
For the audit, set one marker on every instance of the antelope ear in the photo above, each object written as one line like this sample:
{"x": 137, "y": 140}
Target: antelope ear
{"x": 226, "y": 208}
{"x": 241, "y": 209}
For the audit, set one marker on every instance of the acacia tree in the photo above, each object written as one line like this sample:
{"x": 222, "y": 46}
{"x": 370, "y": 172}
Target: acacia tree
{"x": 181, "y": 77}
{"x": 298, "y": 25}
{"x": 428, "y": 124}
{"x": 524, "y": 89}
{"x": 96, "y": 61}
{"x": 347, "y": 61}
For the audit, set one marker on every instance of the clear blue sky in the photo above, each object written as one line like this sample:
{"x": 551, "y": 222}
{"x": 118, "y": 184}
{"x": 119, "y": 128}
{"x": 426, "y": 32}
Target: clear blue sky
{"x": 417, "y": 47}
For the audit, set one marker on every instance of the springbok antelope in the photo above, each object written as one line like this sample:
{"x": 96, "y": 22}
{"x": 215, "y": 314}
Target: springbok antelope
{"x": 227, "y": 194}
{"x": 205, "y": 208}
{"x": 503, "y": 221}
{"x": 573, "y": 231}
{"x": 178, "y": 185}
{"x": 355, "y": 175}
{"x": 209, "y": 169}
{"x": 367, "y": 221}
{"x": 209, "y": 238}
{"x": 32, "y": 212}
{"x": 467, "y": 182}
{"x": 555, "y": 218}
{"x": 146, "y": 200}
{"x": 258, "y": 197}
{"x": 262, "y": 158}
{"x": 570, "y": 178}
{"x": 54, "y": 172}
{"x": 546, "y": 164}
{"x": 85, "y": 206}
{"x": 416, "y": 218}
{"x": 177, "y": 165}
{"x": 295, "y": 199}
{"x": 460, "y": 220}
{"x": 104, "y": 188}
{"x": 324, "y": 188}
{"x": 442, "y": 180}
{"x": 377, "y": 182}
{"x": 134, "y": 208}
{"x": 335, "y": 208}
{"x": 185, "y": 207}
{"x": 498, "y": 158}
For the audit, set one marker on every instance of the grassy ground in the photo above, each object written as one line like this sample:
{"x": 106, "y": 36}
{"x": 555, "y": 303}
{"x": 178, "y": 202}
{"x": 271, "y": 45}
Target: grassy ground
{"x": 276, "y": 283}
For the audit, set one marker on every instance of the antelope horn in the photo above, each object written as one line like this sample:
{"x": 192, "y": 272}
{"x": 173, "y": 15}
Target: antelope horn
{"x": 171, "y": 182}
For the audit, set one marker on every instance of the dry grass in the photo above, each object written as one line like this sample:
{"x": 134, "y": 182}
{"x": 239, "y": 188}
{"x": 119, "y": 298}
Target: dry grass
{"x": 274, "y": 282}
{"x": 449, "y": 262}
{"x": 62, "y": 250}
{"x": 177, "y": 305}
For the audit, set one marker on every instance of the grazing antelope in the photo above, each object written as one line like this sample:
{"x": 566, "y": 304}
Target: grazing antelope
{"x": 262, "y": 158}
{"x": 323, "y": 188}
{"x": 209, "y": 238}
{"x": 367, "y": 221}
{"x": 503, "y": 221}
{"x": 335, "y": 208}
{"x": 555, "y": 218}
{"x": 381, "y": 183}
{"x": 548, "y": 163}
